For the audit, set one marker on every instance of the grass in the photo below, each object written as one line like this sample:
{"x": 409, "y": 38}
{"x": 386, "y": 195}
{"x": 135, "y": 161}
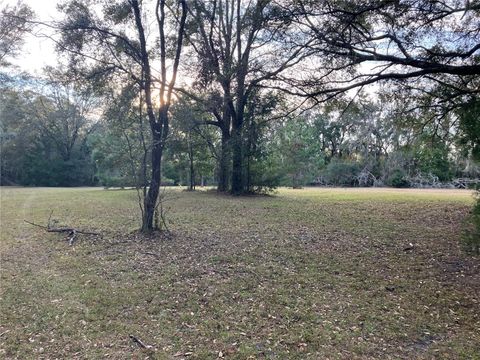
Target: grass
{"x": 305, "y": 274}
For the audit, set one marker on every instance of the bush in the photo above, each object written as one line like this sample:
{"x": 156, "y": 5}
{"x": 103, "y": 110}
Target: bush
{"x": 342, "y": 173}
{"x": 168, "y": 182}
{"x": 435, "y": 161}
{"x": 263, "y": 178}
{"x": 397, "y": 179}
{"x": 110, "y": 180}
{"x": 471, "y": 233}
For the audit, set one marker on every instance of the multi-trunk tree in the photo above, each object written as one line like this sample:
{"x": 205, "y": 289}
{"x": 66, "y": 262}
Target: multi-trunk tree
{"x": 239, "y": 46}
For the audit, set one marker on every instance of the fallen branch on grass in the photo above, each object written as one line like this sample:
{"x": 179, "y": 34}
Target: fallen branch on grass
{"x": 140, "y": 342}
{"x": 70, "y": 231}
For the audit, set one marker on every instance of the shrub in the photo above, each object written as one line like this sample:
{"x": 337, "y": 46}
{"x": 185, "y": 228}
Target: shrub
{"x": 263, "y": 178}
{"x": 397, "y": 179}
{"x": 110, "y": 180}
{"x": 342, "y": 173}
{"x": 434, "y": 160}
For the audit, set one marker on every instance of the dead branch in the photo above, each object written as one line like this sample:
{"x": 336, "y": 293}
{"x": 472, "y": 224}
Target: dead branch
{"x": 151, "y": 254}
{"x": 71, "y": 232}
{"x": 139, "y": 342}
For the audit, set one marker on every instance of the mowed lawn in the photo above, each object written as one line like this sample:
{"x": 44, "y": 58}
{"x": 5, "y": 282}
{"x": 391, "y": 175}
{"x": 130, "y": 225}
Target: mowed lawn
{"x": 303, "y": 274}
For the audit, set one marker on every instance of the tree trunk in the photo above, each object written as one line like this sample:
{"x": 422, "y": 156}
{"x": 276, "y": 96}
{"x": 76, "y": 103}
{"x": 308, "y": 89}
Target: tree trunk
{"x": 224, "y": 163}
{"x": 192, "y": 169}
{"x": 237, "y": 161}
{"x": 238, "y": 182}
{"x": 249, "y": 176}
{"x": 150, "y": 200}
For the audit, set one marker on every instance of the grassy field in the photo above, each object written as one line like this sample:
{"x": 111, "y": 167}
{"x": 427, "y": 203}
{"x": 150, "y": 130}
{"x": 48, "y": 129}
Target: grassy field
{"x": 304, "y": 274}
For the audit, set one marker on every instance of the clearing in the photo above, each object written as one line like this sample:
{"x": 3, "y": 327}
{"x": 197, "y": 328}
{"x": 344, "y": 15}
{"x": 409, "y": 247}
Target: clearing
{"x": 305, "y": 274}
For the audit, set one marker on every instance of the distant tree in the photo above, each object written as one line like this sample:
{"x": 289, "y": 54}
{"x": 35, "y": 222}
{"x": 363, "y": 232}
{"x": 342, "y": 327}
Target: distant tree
{"x": 64, "y": 113}
{"x": 121, "y": 145}
{"x": 299, "y": 151}
{"x": 16, "y": 137}
{"x": 469, "y": 137}
{"x": 261, "y": 111}
{"x": 44, "y": 137}
{"x": 112, "y": 160}
{"x": 191, "y": 143}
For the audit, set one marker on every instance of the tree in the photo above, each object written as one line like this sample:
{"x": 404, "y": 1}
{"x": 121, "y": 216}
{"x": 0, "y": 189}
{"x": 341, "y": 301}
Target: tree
{"x": 44, "y": 135}
{"x": 113, "y": 39}
{"x": 121, "y": 145}
{"x": 64, "y": 112}
{"x": 469, "y": 137}
{"x": 15, "y": 136}
{"x": 300, "y": 151}
{"x": 359, "y": 43}
{"x": 240, "y": 45}
{"x": 14, "y": 23}
{"x": 192, "y": 145}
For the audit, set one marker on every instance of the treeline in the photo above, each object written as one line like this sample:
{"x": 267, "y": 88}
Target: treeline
{"x": 44, "y": 135}
{"x": 53, "y": 134}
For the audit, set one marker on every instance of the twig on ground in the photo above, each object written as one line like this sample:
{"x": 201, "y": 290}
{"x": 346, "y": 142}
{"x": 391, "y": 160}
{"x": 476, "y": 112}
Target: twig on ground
{"x": 151, "y": 254}
{"x": 72, "y": 232}
{"x": 139, "y": 342}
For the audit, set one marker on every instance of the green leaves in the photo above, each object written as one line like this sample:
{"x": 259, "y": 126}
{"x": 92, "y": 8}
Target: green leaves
{"x": 118, "y": 12}
{"x": 470, "y": 127}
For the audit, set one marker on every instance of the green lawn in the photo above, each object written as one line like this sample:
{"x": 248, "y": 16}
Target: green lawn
{"x": 304, "y": 274}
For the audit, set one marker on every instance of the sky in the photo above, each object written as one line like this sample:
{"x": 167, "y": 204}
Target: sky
{"x": 38, "y": 51}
